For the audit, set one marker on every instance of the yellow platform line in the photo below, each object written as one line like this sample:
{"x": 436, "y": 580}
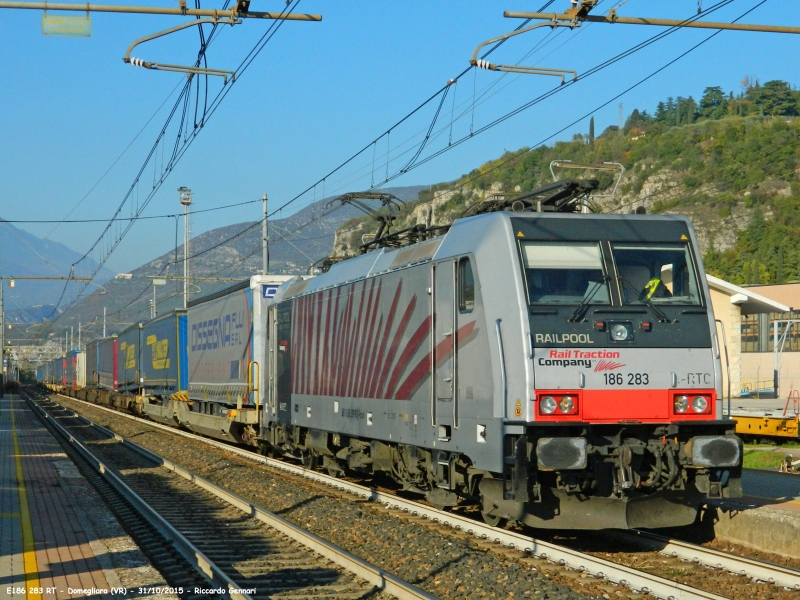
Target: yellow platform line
{"x": 28, "y": 548}
{"x": 9, "y": 515}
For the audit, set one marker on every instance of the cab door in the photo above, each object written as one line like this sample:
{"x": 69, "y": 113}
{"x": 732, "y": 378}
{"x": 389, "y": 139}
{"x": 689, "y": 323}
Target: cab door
{"x": 445, "y": 352}
{"x": 282, "y": 344}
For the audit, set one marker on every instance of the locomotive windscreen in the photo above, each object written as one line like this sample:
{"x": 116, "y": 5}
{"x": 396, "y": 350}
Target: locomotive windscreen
{"x": 564, "y": 273}
{"x": 659, "y": 273}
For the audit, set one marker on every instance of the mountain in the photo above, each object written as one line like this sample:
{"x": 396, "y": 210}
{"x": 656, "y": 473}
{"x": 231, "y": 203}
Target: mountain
{"x": 296, "y": 242}
{"x": 22, "y": 254}
{"x": 731, "y": 163}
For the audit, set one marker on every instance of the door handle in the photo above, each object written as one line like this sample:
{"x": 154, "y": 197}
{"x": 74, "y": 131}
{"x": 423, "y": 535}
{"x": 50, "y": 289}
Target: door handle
{"x": 447, "y": 333}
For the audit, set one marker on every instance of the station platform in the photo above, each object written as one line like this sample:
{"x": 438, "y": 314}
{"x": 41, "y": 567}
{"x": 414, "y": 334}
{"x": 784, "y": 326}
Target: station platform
{"x": 47, "y": 547}
{"x": 766, "y": 518}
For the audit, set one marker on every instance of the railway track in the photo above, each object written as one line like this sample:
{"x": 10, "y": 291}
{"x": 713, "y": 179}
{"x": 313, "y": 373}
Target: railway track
{"x": 730, "y": 572}
{"x": 230, "y": 543}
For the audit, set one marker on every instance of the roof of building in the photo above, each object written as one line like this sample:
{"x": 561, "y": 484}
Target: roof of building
{"x": 746, "y": 298}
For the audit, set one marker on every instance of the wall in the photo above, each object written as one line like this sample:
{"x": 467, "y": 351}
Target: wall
{"x": 761, "y": 364}
{"x": 731, "y": 317}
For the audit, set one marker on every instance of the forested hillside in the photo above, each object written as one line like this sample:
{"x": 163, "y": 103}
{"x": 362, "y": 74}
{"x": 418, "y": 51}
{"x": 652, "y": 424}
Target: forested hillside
{"x": 731, "y": 162}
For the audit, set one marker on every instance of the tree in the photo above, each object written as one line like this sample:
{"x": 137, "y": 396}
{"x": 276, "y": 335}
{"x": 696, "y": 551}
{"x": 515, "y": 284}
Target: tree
{"x": 591, "y": 130}
{"x": 636, "y": 120}
{"x": 775, "y": 98}
{"x": 713, "y": 104}
{"x": 661, "y": 113}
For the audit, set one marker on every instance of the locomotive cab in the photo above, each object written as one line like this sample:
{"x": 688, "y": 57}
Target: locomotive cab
{"x": 625, "y": 401}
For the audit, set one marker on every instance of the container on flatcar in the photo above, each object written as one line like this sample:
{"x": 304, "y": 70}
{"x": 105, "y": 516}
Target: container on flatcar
{"x": 107, "y": 363}
{"x": 129, "y": 349}
{"x": 80, "y": 370}
{"x": 163, "y": 356}
{"x": 220, "y": 334}
{"x": 61, "y": 371}
{"x": 92, "y": 365}
{"x": 225, "y": 359}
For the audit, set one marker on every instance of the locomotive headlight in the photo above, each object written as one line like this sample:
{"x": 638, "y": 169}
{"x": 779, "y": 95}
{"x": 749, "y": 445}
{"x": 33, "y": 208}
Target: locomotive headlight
{"x": 566, "y": 404}
{"x": 699, "y": 404}
{"x": 681, "y": 404}
{"x": 547, "y": 405}
{"x": 619, "y": 332}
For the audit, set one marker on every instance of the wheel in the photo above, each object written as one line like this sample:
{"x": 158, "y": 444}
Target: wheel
{"x": 310, "y": 460}
{"x": 332, "y": 467}
{"x": 493, "y": 521}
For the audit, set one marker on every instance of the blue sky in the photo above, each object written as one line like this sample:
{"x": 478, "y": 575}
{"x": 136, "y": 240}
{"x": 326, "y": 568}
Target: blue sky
{"x": 317, "y": 93}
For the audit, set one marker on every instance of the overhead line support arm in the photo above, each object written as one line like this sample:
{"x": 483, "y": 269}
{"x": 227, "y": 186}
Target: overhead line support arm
{"x": 157, "y": 10}
{"x": 613, "y": 18}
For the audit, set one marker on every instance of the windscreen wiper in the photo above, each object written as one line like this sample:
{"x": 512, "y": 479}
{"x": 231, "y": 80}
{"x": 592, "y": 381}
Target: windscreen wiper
{"x": 662, "y": 317}
{"x": 580, "y": 311}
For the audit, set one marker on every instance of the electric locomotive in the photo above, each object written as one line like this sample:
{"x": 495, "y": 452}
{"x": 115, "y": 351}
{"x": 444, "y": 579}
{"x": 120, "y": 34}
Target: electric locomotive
{"x": 558, "y": 368}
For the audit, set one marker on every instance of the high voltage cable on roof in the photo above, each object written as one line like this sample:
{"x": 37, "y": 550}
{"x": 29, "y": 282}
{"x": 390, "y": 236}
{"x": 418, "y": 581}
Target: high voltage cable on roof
{"x": 140, "y": 218}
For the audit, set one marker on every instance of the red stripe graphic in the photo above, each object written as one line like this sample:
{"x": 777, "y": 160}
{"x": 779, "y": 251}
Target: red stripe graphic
{"x": 318, "y": 342}
{"x": 293, "y": 345}
{"x": 360, "y": 341}
{"x": 365, "y": 340}
{"x": 383, "y": 391}
{"x": 372, "y": 338}
{"x": 342, "y": 354}
{"x": 363, "y": 391}
{"x": 408, "y": 352}
{"x": 334, "y": 345}
{"x": 326, "y": 347}
{"x": 352, "y": 347}
{"x": 442, "y": 351}
{"x": 309, "y": 341}
{"x": 373, "y": 378}
{"x": 298, "y": 340}
{"x": 300, "y": 344}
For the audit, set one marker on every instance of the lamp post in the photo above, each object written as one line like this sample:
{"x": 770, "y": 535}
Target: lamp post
{"x": 153, "y": 308}
{"x": 186, "y": 201}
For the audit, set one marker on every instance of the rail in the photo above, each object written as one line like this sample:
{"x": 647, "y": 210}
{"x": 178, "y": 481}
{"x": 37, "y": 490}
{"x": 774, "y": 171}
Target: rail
{"x": 597, "y": 567}
{"x": 375, "y": 576}
{"x": 189, "y": 551}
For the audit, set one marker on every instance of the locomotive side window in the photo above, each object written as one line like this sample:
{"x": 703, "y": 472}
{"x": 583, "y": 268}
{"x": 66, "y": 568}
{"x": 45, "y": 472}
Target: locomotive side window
{"x": 466, "y": 286}
{"x": 564, "y": 273}
{"x": 658, "y": 273}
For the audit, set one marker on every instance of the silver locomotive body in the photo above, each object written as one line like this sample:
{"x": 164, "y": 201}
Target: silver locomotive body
{"x": 562, "y": 370}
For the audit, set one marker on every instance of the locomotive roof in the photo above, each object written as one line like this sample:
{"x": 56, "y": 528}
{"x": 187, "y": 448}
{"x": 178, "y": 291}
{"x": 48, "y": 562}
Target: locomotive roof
{"x": 478, "y": 234}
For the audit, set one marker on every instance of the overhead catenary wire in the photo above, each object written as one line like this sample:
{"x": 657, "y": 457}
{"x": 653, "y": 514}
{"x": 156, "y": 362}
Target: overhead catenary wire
{"x": 139, "y": 218}
{"x": 548, "y": 94}
{"x": 177, "y": 153}
{"x": 516, "y": 111}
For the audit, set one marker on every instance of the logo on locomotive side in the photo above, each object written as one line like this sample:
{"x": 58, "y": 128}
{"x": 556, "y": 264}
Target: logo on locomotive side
{"x": 563, "y": 338}
{"x": 581, "y": 358}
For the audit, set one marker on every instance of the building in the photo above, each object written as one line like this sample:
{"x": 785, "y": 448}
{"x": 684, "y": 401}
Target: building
{"x": 736, "y": 309}
{"x": 758, "y": 332}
